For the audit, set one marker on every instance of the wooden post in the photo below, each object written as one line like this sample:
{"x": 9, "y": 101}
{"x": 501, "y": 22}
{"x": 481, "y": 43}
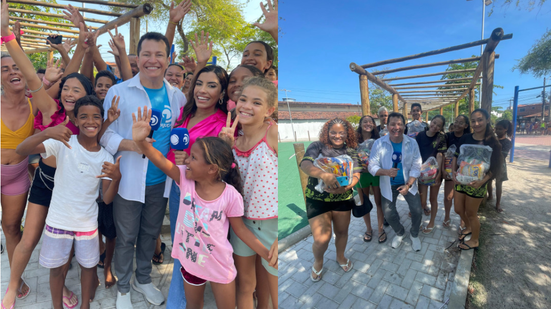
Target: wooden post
{"x": 395, "y": 103}
{"x": 441, "y": 110}
{"x": 309, "y": 136}
{"x": 364, "y": 92}
{"x": 299, "y": 154}
{"x": 405, "y": 112}
{"x": 427, "y": 116}
{"x": 471, "y": 101}
{"x": 488, "y": 60}
{"x": 50, "y": 55}
{"x": 295, "y": 136}
{"x": 134, "y": 35}
{"x": 456, "y": 110}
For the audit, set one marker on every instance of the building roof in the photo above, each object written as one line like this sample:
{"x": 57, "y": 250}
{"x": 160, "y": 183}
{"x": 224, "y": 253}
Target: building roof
{"x": 291, "y": 103}
{"x": 284, "y": 115}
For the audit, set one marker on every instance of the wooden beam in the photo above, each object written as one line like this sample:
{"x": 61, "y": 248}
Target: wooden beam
{"x": 46, "y": 22}
{"x": 427, "y": 116}
{"x": 405, "y": 111}
{"x": 23, "y": 39}
{"x": 433, "y": 52}
{"x": 33, "y": 36}
{"x": 34, "y": 45}
{"x": 54, "y": 15}
{"x": 437, "y": 90}
{"x": 487, "y": 80}
{"x": 139, "y": 11}
{"x": 395, "y": 103}
{"x": 427, "y": 65}
{"x": 49, "y": 33}
{"x": 450, "y": 95}
{"x": 50, "y": 55}
{"x": 61, "y": 6}
{"x": 46, "y": 27}
{"x": 436, "y": 86}
{"x": 134, "y": 35}
{"x": 435, "y": 81}
{"x": 456, "y": 109}
{"x": 441, "y": 110}
{"x": 356, "y": 68}
{"x": 430, "y": 74}
{"x": 471, "y": 101}
{"x": 106, "y": 3}
{"x": 364, "y": 92}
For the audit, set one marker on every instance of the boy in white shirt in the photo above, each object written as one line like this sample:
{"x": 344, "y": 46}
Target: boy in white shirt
{"x": 72, "y": 217}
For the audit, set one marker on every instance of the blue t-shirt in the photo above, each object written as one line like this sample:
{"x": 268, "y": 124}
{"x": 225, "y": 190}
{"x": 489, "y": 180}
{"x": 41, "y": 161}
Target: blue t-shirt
{"x": 399, "y": 179}
{"x": 159, "y": 100}
{"x": 118, "y": 80}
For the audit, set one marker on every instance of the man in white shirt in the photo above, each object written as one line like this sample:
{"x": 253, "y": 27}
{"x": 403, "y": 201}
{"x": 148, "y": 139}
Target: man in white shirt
{"x": 140, "y": 205}
{"x": 396, "y": 158}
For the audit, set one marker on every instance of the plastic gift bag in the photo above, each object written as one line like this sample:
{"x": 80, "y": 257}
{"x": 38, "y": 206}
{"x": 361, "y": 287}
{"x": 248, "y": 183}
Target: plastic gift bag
{"x": 341, "y": 166}
{"x": 429, "y": 171}
{"x": 383, "y": 132}
{"x": 364, "y": 149}
{"x": 448, "y": 158}
{"x": 474, "y": 163}
{"x": 414, "y": 128}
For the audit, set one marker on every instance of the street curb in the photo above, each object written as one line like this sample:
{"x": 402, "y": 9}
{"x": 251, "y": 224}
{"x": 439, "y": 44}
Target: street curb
{"x": 458, "y": 295}
{"x": 292, "y": 239}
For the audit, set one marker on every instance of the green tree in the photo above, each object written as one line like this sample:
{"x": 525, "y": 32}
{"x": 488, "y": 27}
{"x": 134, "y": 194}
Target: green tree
{"x": 354, "y": 120}
{"x": 538, "y": 60}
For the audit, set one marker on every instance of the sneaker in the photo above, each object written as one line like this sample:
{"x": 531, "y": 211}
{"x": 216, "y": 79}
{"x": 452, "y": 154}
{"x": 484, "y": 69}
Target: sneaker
{"x": 123, "y": 301}
{"x": 397, "y": 241}
{"x": 415, "y": 243}
{"x": 151, "y": 292}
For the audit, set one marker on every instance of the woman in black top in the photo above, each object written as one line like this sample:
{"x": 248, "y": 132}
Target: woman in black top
{"x": 467, "y": 198}
{"x": 504, "y": 131}
{"x": 336, "y": 138}
{"x": 461, "y": 126}
{"x": 432, "y": 143}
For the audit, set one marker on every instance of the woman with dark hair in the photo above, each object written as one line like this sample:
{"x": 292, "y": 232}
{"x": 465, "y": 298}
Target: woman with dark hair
{"x": 49, "y": 113}
{"x": 175, "y": 75}
{"x": 367, "y": 129}
{"x": 332, "y": 207}
{"x": 432, "y": 143}
{"x": 205, "y": 114}
{"x": 236, "y": 79}
{"x": 188, "y": 79}
{"x": 460, "y": 126}
{"x": 467, "y": 198}
{"x": 504, "y": 131}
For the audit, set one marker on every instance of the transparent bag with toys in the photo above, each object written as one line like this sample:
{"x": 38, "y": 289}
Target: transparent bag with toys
{"x": 414, "y": 128}
{"x": 364, "y": 150}
{"x": 429, "y": 171}
{"x": 474, "y": 163}
{"x": 341, "y": 166}
{"x": 448, "y": 158}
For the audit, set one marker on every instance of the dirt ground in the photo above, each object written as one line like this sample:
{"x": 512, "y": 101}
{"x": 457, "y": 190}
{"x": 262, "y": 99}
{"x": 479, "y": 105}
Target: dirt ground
{"x": 512, "y": 268}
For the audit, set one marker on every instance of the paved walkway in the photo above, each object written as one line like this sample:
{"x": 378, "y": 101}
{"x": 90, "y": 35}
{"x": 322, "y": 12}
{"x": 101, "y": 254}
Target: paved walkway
{"x": 382, "y": 277}
{"x": 38, "y": 279}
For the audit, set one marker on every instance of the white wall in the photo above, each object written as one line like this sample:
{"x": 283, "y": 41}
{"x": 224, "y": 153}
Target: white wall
{"x": 302, "y": 127}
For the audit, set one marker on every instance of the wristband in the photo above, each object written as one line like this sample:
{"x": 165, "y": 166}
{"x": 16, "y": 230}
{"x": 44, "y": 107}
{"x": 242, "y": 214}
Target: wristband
{"x": 46, "y": 82}
{"x": 171, "y": 22}
{"x": 10, "y": 37}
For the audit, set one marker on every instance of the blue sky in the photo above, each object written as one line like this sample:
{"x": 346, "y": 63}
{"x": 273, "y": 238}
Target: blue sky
{"x": 319, "y": 39}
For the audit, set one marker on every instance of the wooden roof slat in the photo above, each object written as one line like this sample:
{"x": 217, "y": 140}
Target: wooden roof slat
{"x": 139, "y": 11}
{"x": 358, "y": 69}
{"x": 430, "y": 91}
{"x": 46, "y": 22}
{"x": 45, "y": 27}
{"x": 107, "y": 3}
{"x": 435, "y": 86}
{"x": 435, "y": 81}
{"x": 49, "y": 33}
{"x": 427, "y": 65}
{"x": 61, "y": 6}
{"x": 433, "y": 52}
{"x": 430, "y": 74}
{"x": 93, "y": 20}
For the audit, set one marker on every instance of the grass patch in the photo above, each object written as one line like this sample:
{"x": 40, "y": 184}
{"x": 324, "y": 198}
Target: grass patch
{"x": 480, "y": 278}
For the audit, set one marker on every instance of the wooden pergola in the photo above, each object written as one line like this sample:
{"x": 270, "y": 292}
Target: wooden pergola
{"x": 34, "y": 41}
{"x": 446, "y": 93}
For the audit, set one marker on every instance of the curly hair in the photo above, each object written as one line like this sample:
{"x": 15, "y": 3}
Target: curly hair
{"x": 374, "y": 132}
{"x": 350, "y": 134}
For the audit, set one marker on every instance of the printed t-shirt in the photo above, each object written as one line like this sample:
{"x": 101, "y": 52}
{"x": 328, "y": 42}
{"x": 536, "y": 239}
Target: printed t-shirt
{"x": 159, "y": 100}
{"x": 201, "y": 234}
{"x": 431, "y": 146}
{"x": 319, "y": 149}
{"x": 73, "y": 206}
{"x": 399, "y": 179}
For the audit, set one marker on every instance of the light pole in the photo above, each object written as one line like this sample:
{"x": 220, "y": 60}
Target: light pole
{"x": 484, "y": 4}
{"x": 289, "y": 108}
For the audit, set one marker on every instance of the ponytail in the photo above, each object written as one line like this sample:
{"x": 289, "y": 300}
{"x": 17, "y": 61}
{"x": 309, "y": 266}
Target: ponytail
{"x": 507, "y": 125}
{"x": 233, "y": 177}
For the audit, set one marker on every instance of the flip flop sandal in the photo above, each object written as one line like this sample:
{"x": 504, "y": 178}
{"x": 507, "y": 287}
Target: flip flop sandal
{"x": 426, "y": 211}
{"x": 348, "y": 264}
{"x": 446, "y": 223}
{"x": 159, "y": 257}
{"x": 381, "y": 235}
{"x": 385, "y": 223}
{"x": 462, "y": 236}
{"x": 468, "y": 247}
{"x": 368, "y": 236}
{"x": 317, "y": 273}
{"x": 2, "y": 303}
{"x": 21, "y": 295}
{"x": 68, "y": 300}
{"x": 428, "y": 230}
{"x": 101, "y": 259}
